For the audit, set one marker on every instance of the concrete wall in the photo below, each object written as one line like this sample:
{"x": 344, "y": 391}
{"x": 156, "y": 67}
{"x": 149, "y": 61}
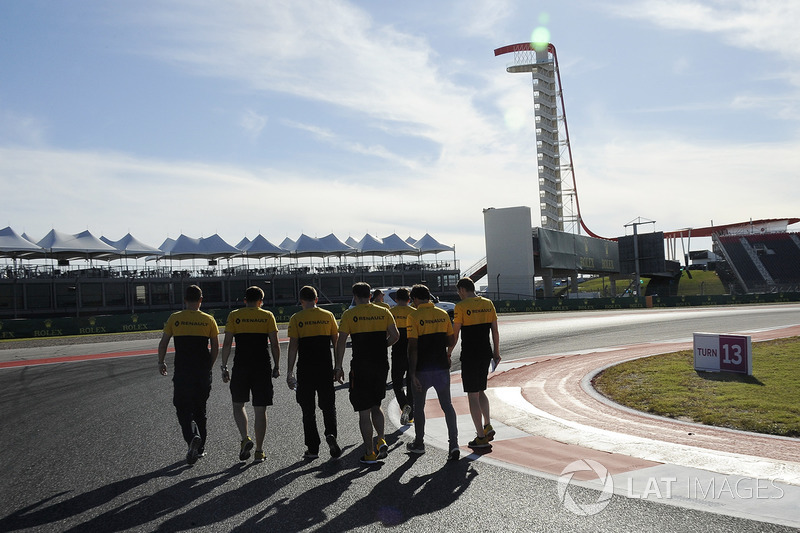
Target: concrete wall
{"x": 509, "y": 252}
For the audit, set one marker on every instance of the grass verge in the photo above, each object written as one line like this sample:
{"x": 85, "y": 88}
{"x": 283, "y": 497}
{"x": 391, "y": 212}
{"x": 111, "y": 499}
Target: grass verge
{"x": 701, "y": 282}
{"x": 667, "y": 385}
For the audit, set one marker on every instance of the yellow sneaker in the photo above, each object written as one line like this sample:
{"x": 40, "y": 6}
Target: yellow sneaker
{"x": 383, "y": 448}
{"x": 247, "y": 445}
{"x": 369, "y": 458}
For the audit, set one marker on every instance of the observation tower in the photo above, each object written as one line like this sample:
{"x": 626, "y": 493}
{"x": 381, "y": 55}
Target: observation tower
{"x": 558, "y": 194}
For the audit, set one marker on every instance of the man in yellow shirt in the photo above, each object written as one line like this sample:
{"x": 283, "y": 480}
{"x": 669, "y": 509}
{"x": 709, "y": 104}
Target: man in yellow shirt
{"x": 256, "y": 334}
{"x": 312, "y": 332}
{"x": 475, "y": 319}
{"x": 400, "y": 375}
{"x": 373, "y": 330}
{"x": 193, "y": 331}
{"x": 430, "y": 335}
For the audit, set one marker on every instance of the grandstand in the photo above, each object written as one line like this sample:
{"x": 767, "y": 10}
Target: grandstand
{"x": 768, "y": 262}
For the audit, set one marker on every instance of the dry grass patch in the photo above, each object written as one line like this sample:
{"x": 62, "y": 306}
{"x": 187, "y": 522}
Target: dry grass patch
{"x": 667, "y": 385}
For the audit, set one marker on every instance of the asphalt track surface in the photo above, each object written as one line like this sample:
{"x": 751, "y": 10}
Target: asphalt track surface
{"x": 93, "y": 445}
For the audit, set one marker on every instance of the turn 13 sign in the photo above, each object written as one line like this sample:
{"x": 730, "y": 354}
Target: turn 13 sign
{"x": 723, "y": 353}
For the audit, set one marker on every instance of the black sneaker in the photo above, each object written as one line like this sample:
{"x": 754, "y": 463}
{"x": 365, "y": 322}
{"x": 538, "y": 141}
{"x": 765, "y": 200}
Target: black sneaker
{"x": 480, "y": 442}
{"x": 454, "y": 454}
{"x": 336, "y": 451}
{"x": 310, "y": 454}
{"x": 194, "y": 447}
{"x": 416, "y": 447}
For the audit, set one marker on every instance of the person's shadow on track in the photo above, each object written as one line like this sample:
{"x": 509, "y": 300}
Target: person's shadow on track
{"x": 43, "y": 512}
{"x": 390, "y": 502}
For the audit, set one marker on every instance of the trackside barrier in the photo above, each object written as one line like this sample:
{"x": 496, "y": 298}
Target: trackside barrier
{"x": 596, "y": 304}
{"x": 104, "y": 324}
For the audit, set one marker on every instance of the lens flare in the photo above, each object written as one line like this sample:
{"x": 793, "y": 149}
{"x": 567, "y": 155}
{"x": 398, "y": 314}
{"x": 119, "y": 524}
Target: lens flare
{"x": 515, "y": 118}
{"x": 540, "y": 38}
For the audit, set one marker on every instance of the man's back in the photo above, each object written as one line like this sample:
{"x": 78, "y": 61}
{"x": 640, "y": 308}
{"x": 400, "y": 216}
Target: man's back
{"x": 313, "y": 329}
{"x": 475, "y": 316}
{"x": 251, "y": 327}
{"x": 431, "y": 327}
{"x": 367, "y": 326}
{"x": 400, "y": 314}
{"x": 191, "y": 331}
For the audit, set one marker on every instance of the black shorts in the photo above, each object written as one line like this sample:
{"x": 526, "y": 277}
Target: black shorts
{"x": 255, "y": 379}
{"x": 474, "y": 373}
{"x": 368, "y": 385}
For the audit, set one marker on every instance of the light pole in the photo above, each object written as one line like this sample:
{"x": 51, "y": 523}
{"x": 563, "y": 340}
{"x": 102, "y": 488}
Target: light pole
{"x": 638, "y": 222}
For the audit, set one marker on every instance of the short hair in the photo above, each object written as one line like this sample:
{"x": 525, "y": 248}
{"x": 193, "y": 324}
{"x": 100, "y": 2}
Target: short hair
{"x": 467, "y": 284}
{"x": 420, "y": 292}
{"x": 361, "y": 289}
{"x": 402, "y": 295}
{"x": 253, "y": 294}
{"x": 308, "y": 293}
{"x": 193, "y": 294}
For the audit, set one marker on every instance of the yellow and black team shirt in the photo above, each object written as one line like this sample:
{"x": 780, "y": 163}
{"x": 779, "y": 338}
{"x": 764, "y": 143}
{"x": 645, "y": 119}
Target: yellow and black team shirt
{"x": 400, "y": 314}
{"x": 191, "y": 331}
{"x": 367, "y": 324}
{"x": 431, "y": 327}
{"x": 251, "y": 327}
{"x": 475, "y": 315}
{"x": 313, "y": 329}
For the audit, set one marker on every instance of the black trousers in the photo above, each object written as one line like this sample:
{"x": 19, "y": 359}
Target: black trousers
{"x": 190, "y": 401}
{"x": 401, "y": 378}
{"x": 316, "y": 388}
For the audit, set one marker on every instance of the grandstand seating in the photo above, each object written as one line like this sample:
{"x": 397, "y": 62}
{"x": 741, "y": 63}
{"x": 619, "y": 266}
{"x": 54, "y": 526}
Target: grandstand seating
{"x": 774, "y": 265}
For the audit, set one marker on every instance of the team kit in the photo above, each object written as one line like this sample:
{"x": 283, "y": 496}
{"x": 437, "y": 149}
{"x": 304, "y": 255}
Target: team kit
{"x": 417, "y": 337}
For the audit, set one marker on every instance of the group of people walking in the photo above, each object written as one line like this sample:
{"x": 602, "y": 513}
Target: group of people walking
{"x": 421, "y": 337}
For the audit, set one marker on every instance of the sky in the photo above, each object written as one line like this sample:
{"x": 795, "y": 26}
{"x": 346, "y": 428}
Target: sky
{"x": 325, "y": 116}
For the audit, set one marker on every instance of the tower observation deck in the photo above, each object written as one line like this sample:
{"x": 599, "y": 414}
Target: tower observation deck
{"x": 558, "y": 195}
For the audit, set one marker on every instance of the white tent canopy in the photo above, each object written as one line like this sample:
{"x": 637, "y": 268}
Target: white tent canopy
{"x": 334, "y": 246}
{"x": 398, "y": 246}
{"x": 130, "y": 246}
{"x": 429, "y": 245}
{"x": 306, "y": 246}
{"x": 13, "y": 245}
{"x": 82, "y": 245}
{"x": 369, "y": 245}
{"x": 206, "y": 248}
{"x": 62, "y": 246}
{"x": 288, "y": 244}
{"x": 261, "y": 247}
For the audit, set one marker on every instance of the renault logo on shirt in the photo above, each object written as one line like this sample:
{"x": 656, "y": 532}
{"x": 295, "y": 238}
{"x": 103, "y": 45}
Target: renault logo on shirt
{"x": 357, "y": 318}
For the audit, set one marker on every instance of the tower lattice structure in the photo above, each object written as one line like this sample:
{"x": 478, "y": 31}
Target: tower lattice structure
{"x": 558, "y": 196}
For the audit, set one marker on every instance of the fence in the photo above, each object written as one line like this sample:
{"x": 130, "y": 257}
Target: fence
{"x": 153, "y": 321}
